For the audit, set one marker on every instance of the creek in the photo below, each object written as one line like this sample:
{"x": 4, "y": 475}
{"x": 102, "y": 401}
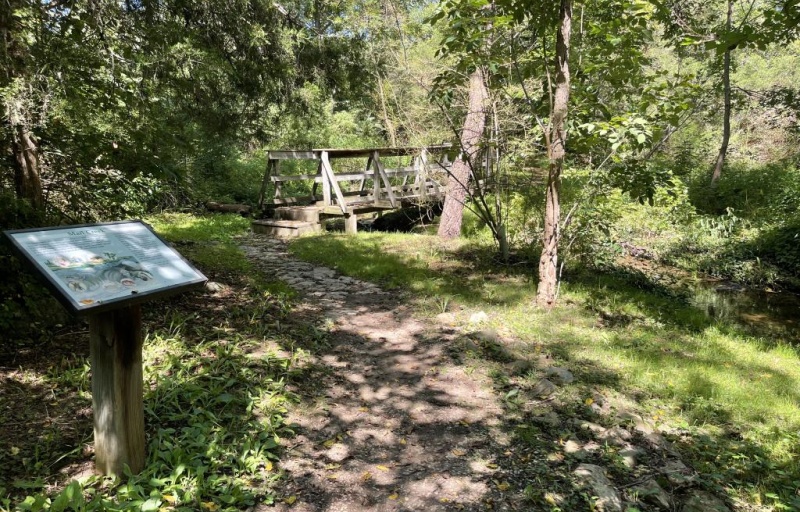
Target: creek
{"x": 773, "y": 312}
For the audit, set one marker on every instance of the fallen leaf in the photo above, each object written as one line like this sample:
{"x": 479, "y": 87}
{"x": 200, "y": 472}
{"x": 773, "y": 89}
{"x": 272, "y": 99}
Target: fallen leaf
{"x": 403, "y": 441}
{"x": 209, "y": 505}
{"x": 491, "y": 466}
{"x": 589, "y": 401}
{"x": 291, "y": 499}
{"x": 393, "y": 496}
{"x": 334, "y": 476}
{"x": 363, "y": 409}
{"x": 458, "y": 453}
{"x": 382, "y": 468}
{"x": 366, "y": 476}
{"x": 504, "y": 486}
{"x": 332, "y": 466}
{"x": 444, "y": 500}
{"x": 329, "y": 442}
{"x": 268, "y": 466}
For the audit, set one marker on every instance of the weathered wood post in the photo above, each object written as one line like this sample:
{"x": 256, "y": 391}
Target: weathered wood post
{"x": 351, "y": 224}
{"x": 116, "y": 354}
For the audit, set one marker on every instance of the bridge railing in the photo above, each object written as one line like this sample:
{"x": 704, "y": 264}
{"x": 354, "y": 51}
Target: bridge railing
{"x": 389, "y": 187}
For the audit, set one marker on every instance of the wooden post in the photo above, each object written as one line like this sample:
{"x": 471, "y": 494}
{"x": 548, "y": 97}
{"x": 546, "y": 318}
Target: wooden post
{"x": 116, "y": 348}
{"x": 376, "y": 180}
{"x": 351, "y": 224}
{"x": 388, "y": 184}
{"x": 264, "y": 183}
{"x": 327, "y": 173}
{"x": 326, "y": 184}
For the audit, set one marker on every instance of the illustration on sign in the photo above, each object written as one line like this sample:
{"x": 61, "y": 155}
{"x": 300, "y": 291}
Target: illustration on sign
{"x": 99, "y": 276}
{"x": 96, "y": 264}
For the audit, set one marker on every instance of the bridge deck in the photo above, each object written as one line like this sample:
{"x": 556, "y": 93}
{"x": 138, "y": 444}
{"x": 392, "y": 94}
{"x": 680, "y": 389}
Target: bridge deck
{"x": 348, "y": 194}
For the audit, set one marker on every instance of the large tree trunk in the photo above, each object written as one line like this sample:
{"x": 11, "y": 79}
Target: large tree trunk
{"x": 548, "y": 262}
{"x": 726, "y": 116}
{"x": 453, "y": 213}
{"x": 14, "y": 129}
{"x": 27, "y": 179}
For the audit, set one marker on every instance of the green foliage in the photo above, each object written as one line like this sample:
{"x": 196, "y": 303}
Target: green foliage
{"x": 26, "y": 307}
{"x": 215, "y": 415}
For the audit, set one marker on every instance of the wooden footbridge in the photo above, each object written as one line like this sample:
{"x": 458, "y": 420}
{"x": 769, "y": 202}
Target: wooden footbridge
{"x": 349, "y": 192}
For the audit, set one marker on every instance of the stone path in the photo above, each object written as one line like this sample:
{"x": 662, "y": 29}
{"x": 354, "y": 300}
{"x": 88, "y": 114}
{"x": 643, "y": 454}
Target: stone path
{"x": 400, "y": 426}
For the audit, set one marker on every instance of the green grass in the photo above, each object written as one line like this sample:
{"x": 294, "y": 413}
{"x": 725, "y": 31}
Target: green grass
{"x": 737, "y": 394}
{"x": 437, "y": 271}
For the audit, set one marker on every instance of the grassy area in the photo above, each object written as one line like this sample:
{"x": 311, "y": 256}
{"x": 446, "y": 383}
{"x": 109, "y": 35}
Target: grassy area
{"x": 730, "y": 399}
{"x": 216, "y": 371}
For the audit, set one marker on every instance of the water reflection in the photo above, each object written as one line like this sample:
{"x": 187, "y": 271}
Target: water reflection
{"x": 776, "y": 312}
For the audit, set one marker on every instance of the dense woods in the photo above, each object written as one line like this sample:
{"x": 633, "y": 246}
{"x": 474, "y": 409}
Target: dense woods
{"x": 658, "y": 130}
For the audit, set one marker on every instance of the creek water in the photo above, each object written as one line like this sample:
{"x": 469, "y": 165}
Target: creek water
{"x": 776, "y": 313}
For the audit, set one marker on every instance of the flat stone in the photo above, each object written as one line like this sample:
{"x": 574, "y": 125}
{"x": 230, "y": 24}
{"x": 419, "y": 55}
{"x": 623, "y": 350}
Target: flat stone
{"x": 677, "y": 473}
{"x": 338, "y": 452}
{"x": 652, "y": 494}
{"x": 572, "y": 446}
{"x": 446, "y": 318}
{"x": 630, "y": 456}
{"x": 702, "y": 501}
{"x": 589, "y": 449}
{"x": 594, "y": 478}
{"x": 627, "y": 417}
{"x": 617, "y": 436}
{"x": 544, "y": 388}
{"x": 588, "y": 425}
{"x": 559, "y": 375}
{"x": 478, "y": 317}
{"x": 657, "y": 441}
{"x": 486, "y": 336}
{"x": 215, "y": 287}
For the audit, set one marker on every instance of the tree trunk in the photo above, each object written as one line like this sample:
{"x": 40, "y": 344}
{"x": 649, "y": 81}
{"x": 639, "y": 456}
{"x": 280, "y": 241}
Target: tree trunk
{"x": 387, "y": 121}
{"x": 726, "y": 116}
{"x": 453, "y": 213}
{"x": 27, "y": 180}
{"x": 548, "y": 263}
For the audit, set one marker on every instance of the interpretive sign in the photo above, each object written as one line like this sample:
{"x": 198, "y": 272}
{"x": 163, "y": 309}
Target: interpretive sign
{"x": 98, "y": 267}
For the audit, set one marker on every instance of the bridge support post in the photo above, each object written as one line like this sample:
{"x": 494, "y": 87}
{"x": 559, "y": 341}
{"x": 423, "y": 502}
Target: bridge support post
{"x": 351, "y": 224}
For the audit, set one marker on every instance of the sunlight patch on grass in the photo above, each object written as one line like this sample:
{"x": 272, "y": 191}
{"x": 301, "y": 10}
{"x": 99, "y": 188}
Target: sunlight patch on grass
{"x": 183, "y": 227}
{"x": 423, "y": 264}
{"x": 619, "y": 332}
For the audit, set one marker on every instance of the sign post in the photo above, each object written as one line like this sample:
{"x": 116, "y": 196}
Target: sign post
{"x": 105, "y": 271}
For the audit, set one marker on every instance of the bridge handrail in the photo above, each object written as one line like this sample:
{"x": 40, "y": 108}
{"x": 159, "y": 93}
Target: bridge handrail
{"x": 330, "y": 180}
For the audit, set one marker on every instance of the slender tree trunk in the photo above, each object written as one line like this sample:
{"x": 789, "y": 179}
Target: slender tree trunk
{"x": 726, "y": 116}
{"x": 27, "y": 180}
{"x": 548, "y": 263}
{"x": 453, "y": 212}
{"x": 387, "y": 121}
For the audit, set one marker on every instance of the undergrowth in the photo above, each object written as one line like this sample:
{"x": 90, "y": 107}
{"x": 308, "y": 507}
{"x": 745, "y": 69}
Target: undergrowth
{"x": 216, "y": 369}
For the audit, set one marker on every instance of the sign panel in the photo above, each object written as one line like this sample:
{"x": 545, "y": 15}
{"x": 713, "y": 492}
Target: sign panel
{"x": 97, "y": 267}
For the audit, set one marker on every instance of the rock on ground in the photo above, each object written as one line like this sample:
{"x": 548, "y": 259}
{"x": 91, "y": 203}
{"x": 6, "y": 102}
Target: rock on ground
{"x": 594, "y": 478}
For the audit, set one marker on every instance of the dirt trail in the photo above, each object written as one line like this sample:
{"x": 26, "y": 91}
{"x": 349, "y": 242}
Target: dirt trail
{"x": 400, "y": 426}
